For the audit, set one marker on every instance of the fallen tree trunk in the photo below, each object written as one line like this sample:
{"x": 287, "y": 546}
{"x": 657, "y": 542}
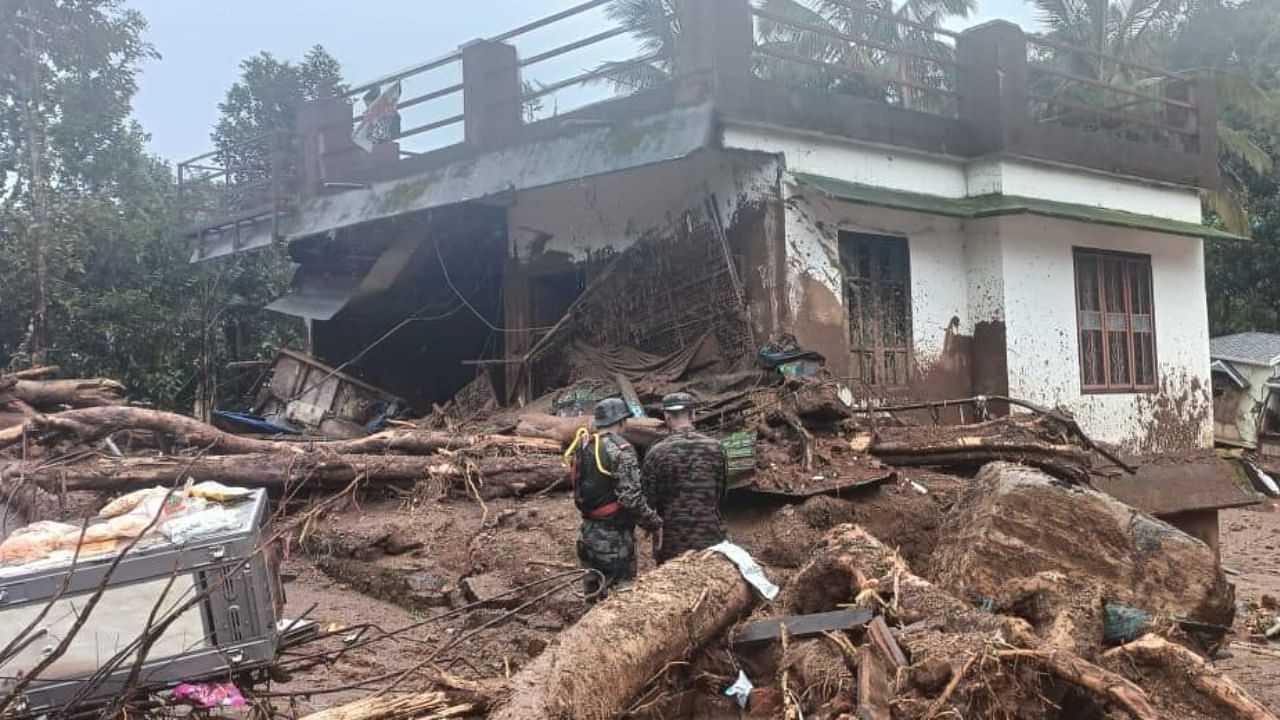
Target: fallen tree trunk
{"x": 50, "y": 394}
{"x": 492, "y": 477}
{"x": 89, "y": 425}
{"x": 1078, "y": 671}
{"x": 601, "y": 663}
{"x": 640, "y": 432}
{"x": 34, "y": 373}
{"x": 1155, "y": 650}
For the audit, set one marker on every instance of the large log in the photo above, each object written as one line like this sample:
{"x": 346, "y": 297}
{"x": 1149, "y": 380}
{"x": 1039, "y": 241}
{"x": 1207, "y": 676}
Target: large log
{"x": 1014, "y": 524}
{"x": 91, "y": 424}
{"x": 1155, "y": 650}
{"x": 492, "y": 477}
{"x": 1082, "y": 673}
{"x": 50, "y": 394}
{"x": 640, "y": 432}
{"x": 601, "y": 663}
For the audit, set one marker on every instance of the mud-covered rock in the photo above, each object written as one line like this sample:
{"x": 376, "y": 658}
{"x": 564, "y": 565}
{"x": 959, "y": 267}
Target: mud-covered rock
{"x": 1030, "y": 545}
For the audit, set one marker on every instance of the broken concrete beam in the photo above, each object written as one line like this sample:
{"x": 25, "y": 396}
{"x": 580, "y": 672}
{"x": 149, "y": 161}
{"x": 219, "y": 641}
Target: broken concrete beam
{"x": 601, "y": 663}
{"x": 1016, "y": 527}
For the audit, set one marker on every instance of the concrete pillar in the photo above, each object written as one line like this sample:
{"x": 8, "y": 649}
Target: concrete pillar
{"x": 491, "y": 93}
{"x": 324, "y": 142}
{"x": 714, "y": 47}
{"x": 993, "y": 85}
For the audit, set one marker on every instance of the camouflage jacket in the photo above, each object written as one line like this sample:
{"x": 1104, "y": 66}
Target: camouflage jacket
{"x": 686, "y": 476}
{"x": 623, "y": 463}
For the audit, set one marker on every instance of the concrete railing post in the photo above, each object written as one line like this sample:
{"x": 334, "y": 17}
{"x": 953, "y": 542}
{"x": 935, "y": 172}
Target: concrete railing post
{"x": 1204, "y": 95}
{"x": 993, "y": 84}
{"x": 491, "y": 93}
{"x": 324, "y": 138}
{"x": 713, "y": 48}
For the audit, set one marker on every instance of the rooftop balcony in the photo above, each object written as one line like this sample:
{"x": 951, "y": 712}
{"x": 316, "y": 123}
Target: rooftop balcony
{"x": 992, "y": 89}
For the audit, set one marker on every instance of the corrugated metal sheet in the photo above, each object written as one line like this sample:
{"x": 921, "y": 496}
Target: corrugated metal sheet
{"x": 600, "y": 149}
{"x": 318, "y": 293}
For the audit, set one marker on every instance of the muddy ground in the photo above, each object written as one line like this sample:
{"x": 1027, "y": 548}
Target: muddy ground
{"x": 395, "y": 562}
{"x": 1250, "y": 539}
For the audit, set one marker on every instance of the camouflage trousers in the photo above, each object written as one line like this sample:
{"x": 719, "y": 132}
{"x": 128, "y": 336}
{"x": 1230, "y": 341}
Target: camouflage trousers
{"x": 609, "y": 548}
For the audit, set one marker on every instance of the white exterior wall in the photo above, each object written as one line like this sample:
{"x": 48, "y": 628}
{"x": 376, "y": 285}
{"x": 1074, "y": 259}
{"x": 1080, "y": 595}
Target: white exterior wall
{"x": 1043, "y": 339}
{"x": 815, "y": 297}
{"x": 948, "y": 177}
{"x": 1019, "y": 271}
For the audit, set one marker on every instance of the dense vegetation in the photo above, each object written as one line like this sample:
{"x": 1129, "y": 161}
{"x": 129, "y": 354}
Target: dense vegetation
{"x": 92, "y": 276}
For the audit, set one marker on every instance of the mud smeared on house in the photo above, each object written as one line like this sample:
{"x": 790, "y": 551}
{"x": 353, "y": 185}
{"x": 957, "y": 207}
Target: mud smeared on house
{"x": 1176, "y": 417}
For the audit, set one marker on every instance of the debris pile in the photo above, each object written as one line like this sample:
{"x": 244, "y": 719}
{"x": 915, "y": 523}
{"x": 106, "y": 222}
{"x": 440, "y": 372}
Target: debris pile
{"x": 926, "y": 570}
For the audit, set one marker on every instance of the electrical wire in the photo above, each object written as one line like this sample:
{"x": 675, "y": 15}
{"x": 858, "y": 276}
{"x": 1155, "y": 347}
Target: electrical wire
{"x": 479, "y": 316}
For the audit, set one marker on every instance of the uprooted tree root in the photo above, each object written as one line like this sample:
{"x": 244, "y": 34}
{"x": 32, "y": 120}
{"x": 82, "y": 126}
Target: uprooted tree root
{"x": 968, "y": 663}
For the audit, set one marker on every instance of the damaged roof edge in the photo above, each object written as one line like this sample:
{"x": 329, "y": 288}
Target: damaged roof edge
{"x": 600, "y": 149}
{"x": 984, "y": 206}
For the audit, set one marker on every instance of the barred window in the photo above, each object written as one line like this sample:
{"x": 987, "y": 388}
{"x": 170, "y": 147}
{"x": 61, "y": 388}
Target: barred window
{"x": 877, "y": 294}
{"x": 1116, "y": 321}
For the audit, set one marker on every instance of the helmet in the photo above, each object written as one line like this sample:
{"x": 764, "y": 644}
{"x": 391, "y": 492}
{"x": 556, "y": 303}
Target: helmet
{"x": 678, "y": 402}
{"x": 610, "y": 411}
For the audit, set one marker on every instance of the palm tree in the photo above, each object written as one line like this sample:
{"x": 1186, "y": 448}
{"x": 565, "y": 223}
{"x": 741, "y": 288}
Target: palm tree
{"x": 849, "y": 46}
{"x": 655, "y": 25}
{"x": 813, "y": 36}
{"x": 1188, "y": 36}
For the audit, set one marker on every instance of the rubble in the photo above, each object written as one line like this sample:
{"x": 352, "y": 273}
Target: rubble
{"x": 926, "y": 570}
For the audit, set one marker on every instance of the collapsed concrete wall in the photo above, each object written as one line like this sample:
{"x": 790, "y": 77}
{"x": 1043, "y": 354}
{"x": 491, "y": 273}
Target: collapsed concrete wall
{"x": 664, "y": 254}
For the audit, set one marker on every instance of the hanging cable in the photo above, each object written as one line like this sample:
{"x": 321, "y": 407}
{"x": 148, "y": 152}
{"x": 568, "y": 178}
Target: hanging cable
{"x": 449, "y": 281}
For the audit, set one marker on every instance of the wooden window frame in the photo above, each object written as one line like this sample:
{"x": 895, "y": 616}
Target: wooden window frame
{"x": 878, "y": 349}
{"x": 1133, "y": 387}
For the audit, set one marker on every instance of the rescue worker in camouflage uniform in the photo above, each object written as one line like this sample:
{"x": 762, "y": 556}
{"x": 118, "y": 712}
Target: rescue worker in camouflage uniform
{"x": 608, "y": 493}
{"x": 686, "y": 476}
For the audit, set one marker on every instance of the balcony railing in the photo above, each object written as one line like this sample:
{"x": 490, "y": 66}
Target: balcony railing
{"x": 867, "y": 75}
{"x": 239, "y": 184}
{"x": 879, "y": 55}
{"x": 1081, "y": 88}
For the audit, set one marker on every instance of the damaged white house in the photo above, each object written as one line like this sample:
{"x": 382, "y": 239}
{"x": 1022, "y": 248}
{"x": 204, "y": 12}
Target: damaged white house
{"x": 988, "y": 223}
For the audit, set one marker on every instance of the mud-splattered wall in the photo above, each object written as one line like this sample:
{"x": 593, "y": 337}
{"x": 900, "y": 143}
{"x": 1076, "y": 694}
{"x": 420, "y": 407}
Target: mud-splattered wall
{"x": 941, "y": 322}
{"x": 1043, "y": 355}
{"x": 993, "y": 312}
{"x": 671, "y": 279}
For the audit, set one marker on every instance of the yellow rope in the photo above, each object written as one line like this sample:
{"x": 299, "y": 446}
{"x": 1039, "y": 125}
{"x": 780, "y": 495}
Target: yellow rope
{"x": 578, "y": 439}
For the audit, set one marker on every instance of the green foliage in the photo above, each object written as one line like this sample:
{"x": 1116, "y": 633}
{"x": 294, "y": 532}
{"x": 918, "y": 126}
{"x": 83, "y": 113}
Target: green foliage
{"x": 123, "y": 300}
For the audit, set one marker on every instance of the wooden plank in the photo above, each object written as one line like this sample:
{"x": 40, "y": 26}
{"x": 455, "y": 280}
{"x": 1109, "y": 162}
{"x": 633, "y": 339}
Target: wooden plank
{"x": 874, "y": 691}
{"x": 629, "y": 395}
{"x": 878, "y": 631}
{"x": 802, "y": 626}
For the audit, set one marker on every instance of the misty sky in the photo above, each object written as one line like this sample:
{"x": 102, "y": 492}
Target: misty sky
{"x": 202, "y": 42}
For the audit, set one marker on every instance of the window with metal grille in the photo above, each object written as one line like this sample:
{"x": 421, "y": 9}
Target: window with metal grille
{"x": 1116, "y": 322}
{"x": 877, "y": 295}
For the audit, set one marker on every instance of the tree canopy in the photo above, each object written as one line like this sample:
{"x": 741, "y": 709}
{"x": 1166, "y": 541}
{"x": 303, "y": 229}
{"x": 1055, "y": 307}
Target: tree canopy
{"x": 81, "y": 195}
